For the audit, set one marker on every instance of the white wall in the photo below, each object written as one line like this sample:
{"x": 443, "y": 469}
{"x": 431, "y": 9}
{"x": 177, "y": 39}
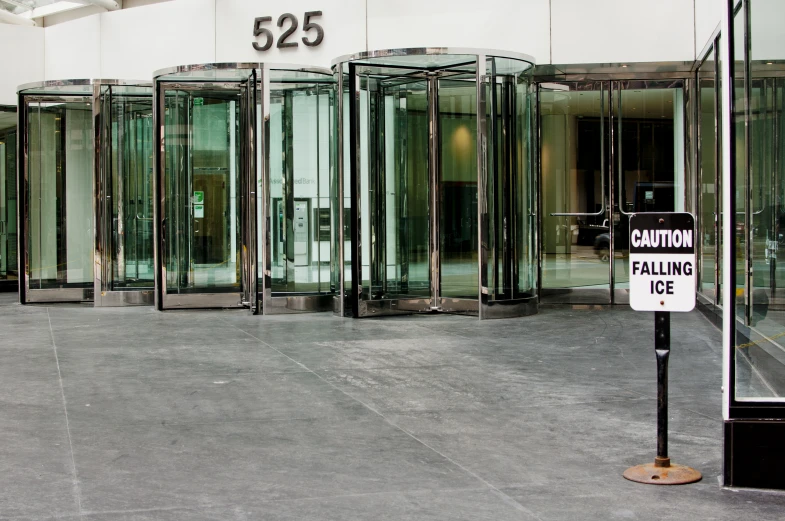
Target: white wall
{"x": 133, "y": 43}
{"x": 73, "y": 50}
{"x": 22, "y": 61}
{"x": 602, "y": 31}
{"x": 137, "y": 42}
{"x": 515, "y": 25}
{"x": 708, "y": 15}
{"x": 343, "y": 22}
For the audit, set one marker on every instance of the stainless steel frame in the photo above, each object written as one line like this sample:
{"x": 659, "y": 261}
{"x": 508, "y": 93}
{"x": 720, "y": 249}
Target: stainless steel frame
{"x": 104, "y": 295}
{"x": 86, "y": 90}
{"x": 348, "y": 70}
{"x": 253, "y": 82}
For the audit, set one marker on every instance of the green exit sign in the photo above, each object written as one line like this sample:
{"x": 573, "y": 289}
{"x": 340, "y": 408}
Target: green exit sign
{"x": 198, "y": 102}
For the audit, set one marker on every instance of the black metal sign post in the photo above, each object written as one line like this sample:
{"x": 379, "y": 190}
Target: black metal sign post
{"x": 661, "y": 267}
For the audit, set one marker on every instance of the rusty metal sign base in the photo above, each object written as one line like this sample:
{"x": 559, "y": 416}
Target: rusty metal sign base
{"x": 654, "y": 474}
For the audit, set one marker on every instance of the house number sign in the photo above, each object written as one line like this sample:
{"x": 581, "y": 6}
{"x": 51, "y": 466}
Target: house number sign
{"x": 289, "y": 24}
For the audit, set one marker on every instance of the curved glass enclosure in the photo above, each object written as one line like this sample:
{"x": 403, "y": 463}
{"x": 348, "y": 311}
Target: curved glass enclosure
{"x": 85, "y": 205}
{"x": 437, "y": 205}
{"x": 244, "y": 174}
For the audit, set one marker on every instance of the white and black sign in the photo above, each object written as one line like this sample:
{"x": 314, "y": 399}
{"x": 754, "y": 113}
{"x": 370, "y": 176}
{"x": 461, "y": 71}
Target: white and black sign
{"x": 662, "y": 262}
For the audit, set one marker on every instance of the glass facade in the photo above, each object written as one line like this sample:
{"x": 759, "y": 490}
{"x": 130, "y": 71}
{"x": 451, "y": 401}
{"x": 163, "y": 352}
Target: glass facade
{"x": 758, "y": 361}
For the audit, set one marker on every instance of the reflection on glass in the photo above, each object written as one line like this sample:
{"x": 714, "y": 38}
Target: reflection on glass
{"x": 299, "y": 207}
{"x": 60, "y": 228}
{"x": 458, "y": 190}
{"x": 201, "y": 228}
{"x": 650, "y": 159}
{"x": 760, "y": 199}
{"x": 8, "y": 237}
{"x": 709, "y": 191}
{"x": 132, "y": 192}
{"x": 575, "y": 132}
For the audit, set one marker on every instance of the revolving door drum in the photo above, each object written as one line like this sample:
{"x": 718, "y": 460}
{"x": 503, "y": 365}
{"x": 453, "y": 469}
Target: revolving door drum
{"x": 390, "y": 220}
{"x": 124, "y": 194}
{"x": 203, "y": 159}
{"x": 259, "y": 101}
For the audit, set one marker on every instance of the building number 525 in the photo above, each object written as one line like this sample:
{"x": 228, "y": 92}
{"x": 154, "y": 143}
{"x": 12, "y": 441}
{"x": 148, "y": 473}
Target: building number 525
{"x": 258, "y": 30}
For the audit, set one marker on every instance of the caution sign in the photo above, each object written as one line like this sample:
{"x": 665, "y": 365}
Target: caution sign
{"x": 662, "y": 262}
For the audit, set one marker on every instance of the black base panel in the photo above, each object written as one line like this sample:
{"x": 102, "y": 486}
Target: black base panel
{"x": 755, "y": 454}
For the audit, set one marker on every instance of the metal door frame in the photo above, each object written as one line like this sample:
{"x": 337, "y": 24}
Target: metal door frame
{"x": 26, "y": 294}
{"x": 104, "y": 296}
{"x": 232, "y": 299}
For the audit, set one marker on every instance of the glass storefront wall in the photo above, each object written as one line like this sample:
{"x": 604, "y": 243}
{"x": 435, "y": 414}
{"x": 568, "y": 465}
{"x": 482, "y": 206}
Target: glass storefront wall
{"x": 436, "y": 197}
{"x": 85, "y": 184}
{"x": 9, "y": 271}
{"x": 245, "y": 214}
{"x": 758, "y": 365}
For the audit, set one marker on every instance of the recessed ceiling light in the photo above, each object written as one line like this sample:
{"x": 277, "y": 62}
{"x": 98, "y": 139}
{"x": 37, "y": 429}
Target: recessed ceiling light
{"x": 624, "y": 66}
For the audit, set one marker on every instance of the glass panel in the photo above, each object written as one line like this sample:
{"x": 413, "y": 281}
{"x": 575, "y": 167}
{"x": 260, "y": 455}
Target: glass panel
{"x": 201, "y": 228}
{"x": 574, "y": 135}
{"x": 650, "y": 168}
{"x": 740, "y": 145}
{"x": 458, "y": 189}
{"x": 760, "y": 199}
{"x": 60, "y": 204}
{"x": 8, "y": 237}
{"x": 511, "y": 259}
{"x": 300, "y": 118}
{"x": 405, "y": 190}
{"x": 132, "y": 192}
{"x": 709, "y": 190}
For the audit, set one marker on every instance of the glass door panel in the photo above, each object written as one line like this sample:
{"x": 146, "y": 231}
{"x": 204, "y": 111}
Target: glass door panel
{"x": 574, "y": 187}
{"x": 402, "y": 203}
{"x": 650, "y": 166}
{"x": 124, "y": 211}
{"x": 59, "y": 200}
{"x": 457, "y": 189}
{"x": 132, "y": 212}
{"x": 708, "y": 182}
{"x": 299, "y": 189}
{"x": 201, "y": 226}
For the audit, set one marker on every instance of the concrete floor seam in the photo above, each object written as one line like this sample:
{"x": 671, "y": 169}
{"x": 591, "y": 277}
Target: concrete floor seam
{"x": 76, "y": 487}
{"x": 507, "y": 499}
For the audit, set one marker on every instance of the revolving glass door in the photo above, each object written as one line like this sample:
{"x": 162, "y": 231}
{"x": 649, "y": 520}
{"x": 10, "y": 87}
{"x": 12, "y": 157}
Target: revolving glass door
{"x": 203, "y": 163}
{"x": 56, "y": 151}
{"x": 436, "y": 197}
{"x": 124, "y": 273}
{"x": 244, "y": 168}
